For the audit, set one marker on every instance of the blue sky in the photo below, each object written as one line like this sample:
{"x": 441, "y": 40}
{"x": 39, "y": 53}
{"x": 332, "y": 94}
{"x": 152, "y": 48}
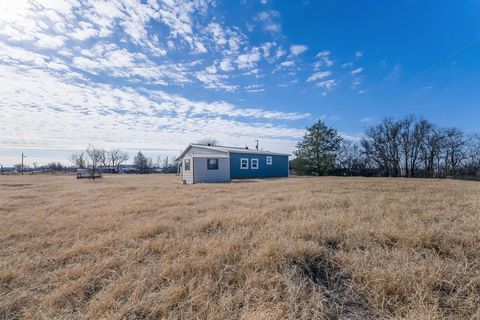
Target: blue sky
{"x": 156, "y": 76}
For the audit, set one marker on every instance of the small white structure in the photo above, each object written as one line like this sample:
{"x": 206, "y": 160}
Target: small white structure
{"x": 206, "y": 168}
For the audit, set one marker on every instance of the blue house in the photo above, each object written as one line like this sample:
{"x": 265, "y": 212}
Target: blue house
{"x": 203, "y": 163}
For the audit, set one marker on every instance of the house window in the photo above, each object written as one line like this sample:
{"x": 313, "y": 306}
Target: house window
{"x": 243, "y": 163}
{"x": 254, "y": 164}
{"x": 269, "y": 160}
{"x": 187, "y": 164}
{"x": 212, "y": 164}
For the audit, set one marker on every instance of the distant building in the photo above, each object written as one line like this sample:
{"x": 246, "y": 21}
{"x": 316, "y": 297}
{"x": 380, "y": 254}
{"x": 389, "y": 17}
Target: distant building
{"x": 8, "y": 170}
{"x": 108, "y": 169}
{"x": 127, "y": 168}
{"x": 203, "y": 163}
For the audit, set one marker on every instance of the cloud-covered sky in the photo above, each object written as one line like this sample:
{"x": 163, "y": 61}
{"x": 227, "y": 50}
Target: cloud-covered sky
{"x": 157, "y": 75}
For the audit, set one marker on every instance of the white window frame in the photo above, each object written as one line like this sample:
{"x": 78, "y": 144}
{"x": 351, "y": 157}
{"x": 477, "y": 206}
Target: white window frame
{"x": 251, "y": 163}
{"x": 208, "y": 162}
{"x": 269, "y": 160}
{"x": 241, "y": 160}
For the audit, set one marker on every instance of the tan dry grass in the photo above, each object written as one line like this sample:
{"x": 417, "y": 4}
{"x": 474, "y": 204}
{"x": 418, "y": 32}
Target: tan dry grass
{"x": 140, "y": 247}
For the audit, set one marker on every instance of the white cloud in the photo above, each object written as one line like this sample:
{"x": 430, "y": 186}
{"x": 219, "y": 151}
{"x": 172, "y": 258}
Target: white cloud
{"x": 288, "y": 63}
{"x": 319, "y": 75}
{"x": 357, "y": 82}
{"x": 115, "y": 62}
{"x": 73, "y": 72}
{"x": 214, "y": 81}
{"x": 85, "y": 31}
{"x": 280, "y": 53}
{"x": 266, "y": 47}
{"x": 253, "y": 72}
{"x": 226, "y": 65}
{"x": 358, "y": 54}
{"x": 327, "y": 84}
{"x": 367, "y": 119}
{"x": 62, "y": 114}
{"x": 267, "y": 18}
{"x": 273, "y": 27}
{"x": 218, "y": 33}
{"x": 298, "y": 49}
{"x": 211, "y": 69}
{"x": 50, "y": 42}
{"x": 248, "y": 60}
{"x": 254, "y": 88}
{"x": 357, "y": 71}
{"x": 323, "y": 60}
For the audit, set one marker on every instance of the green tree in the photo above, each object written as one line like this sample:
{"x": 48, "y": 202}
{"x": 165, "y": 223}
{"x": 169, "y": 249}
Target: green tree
{"x": 318, "y": 149}
{"x": 141, "y": 162}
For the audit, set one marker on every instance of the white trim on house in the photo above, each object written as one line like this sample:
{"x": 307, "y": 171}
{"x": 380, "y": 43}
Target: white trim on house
{"x": 225, "y": 150}
{"x": 209, "y": 160}
{"x": 185, "y": 164}
{"x": 241, "y": 163}
{"x": 269, "y": 160}
{"x": 254, "y": 160}
{"x": 209, "y": 155}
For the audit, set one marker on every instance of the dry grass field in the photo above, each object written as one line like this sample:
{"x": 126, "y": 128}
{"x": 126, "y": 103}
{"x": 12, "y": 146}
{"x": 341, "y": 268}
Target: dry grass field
{"x": 143, "y": 247}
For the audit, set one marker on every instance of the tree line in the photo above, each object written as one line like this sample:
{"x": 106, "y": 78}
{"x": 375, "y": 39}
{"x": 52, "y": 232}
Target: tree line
{"x": 407, "y": 147}
{"x": 93, "y": 158}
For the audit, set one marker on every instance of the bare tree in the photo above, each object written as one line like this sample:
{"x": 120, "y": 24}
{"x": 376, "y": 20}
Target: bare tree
{"x": 103, "y": 156}
{"x": 79, "y": 160}
{"x": 412, "y": 147}
{"x": 398, "y": 146}
{"x": 165, "y": 163}
{"x": 431, "y": 150}
{"x": 405, "y": 142}
{"x": 95, "y": 157}
{"x": 420, "y": 131}
{"x": 382, "y": 145}
{"x": 455, "y": 153}
{"x": 208, "y": 141}
{"x": 473, "y": 152}
{"x": 116, "y": 157}
{"x": 349, "y": 158}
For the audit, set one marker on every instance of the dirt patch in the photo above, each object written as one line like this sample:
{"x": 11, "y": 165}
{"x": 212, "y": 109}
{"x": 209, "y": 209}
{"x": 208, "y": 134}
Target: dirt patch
{"x": 15, "y": 185}
{"x": 4, "y": 210}
{"x": 345, "y": 301}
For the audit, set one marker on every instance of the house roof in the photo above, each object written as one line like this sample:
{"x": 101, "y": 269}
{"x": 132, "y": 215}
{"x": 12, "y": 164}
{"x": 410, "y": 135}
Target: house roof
{"x": 227, "y": 150}
{"x": 208, "y": 155}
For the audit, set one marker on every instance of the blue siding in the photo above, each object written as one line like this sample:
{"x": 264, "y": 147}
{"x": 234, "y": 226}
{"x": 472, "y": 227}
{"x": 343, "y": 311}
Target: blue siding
{"x": 278, "y": 168}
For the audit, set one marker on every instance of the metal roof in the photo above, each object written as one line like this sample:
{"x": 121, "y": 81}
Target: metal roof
{"x": 231, "y": 150}
{"x": 208, "y": 155}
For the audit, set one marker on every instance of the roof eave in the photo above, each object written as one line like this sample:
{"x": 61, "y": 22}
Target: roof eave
{"x": 183, "y": 153}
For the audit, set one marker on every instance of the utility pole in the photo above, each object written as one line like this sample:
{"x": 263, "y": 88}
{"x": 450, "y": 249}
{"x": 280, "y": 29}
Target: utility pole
{"x": 23, "y": 156}
{"x": 256, "y": 146}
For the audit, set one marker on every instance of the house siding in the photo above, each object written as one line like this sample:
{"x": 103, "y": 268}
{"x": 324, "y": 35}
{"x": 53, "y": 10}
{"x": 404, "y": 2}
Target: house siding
{"x": 278, "y": 168}
{"x": 202, "y": 174}
{"x": 187, "y": 176}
